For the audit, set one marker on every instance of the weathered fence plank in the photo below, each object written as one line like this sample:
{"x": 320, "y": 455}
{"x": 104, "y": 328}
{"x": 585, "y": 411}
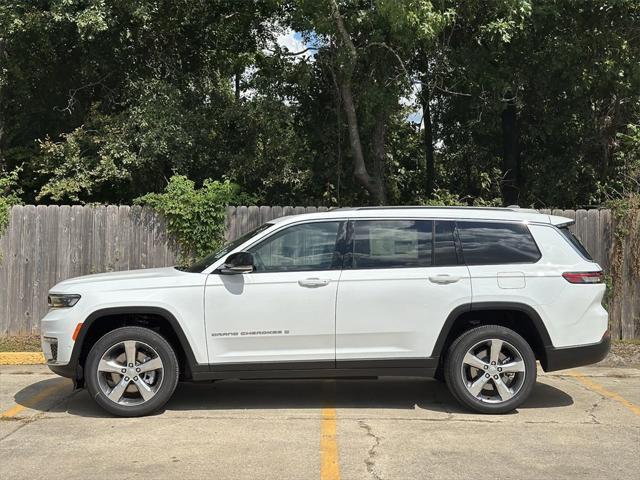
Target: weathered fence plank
{"x": 22, "y": 319}
{"x": 46, "y": 244}
{"x": 606, "y": 228}
{"x": 14, "y": 264}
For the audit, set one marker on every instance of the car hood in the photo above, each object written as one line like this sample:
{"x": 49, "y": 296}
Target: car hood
{"x": 112, "y": 280}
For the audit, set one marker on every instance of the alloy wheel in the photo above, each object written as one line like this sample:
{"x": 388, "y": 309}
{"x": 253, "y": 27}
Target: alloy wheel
{"x": 493, "y": 371}
{"x": 130, "y": 373}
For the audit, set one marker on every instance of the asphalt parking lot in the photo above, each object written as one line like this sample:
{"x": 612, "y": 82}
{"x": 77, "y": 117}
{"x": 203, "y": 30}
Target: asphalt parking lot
{"x": 579, "y": 424}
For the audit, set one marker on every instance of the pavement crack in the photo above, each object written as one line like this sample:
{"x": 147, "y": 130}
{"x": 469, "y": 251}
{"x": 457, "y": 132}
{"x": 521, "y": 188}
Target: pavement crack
{"x": 591, "y": 410}
{"x": 370, "y": 461}
{"x": 24, "y": 422}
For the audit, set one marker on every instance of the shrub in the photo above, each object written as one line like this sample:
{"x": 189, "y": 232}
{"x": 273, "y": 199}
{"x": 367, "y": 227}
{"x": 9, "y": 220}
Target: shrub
{"x": 195, "y": 216}
{"x": 9, "y": 196}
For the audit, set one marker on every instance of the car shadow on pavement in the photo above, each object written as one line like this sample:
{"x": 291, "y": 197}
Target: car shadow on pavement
{"x": 233, "y": 395}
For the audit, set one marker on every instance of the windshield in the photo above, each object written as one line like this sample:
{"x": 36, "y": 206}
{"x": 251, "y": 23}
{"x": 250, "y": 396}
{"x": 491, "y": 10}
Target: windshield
{"x": 203, "y": 263}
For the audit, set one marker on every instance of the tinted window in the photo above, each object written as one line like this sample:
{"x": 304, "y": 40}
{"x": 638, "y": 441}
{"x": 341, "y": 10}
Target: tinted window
{"x": 392, "y": 243}
{"x": 443, "y": 244}
{"x": 485, "y": 243}
{"x": 575, "y": 242}
{"x": 310, "y": 246}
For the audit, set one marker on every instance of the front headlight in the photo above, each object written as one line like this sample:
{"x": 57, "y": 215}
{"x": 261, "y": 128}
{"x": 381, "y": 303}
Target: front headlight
{"x": 62, "y": 300}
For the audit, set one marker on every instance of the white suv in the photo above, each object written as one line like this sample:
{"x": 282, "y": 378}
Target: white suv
{"x": 473, "y": 296}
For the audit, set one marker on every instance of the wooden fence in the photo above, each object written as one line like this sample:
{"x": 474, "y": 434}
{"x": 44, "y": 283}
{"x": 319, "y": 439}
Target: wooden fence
{"x": 46, "y": 244}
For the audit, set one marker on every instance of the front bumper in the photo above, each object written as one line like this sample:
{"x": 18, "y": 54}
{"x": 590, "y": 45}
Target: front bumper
{"x": 57, "y": 329}
{"x": 68, "y": 370}
{"x": 569, "y": 357}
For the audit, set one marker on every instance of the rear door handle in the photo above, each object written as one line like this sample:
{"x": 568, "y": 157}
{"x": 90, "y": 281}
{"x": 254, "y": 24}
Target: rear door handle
{"x": 444, "y": 279}
{"x": 313, "y": 282}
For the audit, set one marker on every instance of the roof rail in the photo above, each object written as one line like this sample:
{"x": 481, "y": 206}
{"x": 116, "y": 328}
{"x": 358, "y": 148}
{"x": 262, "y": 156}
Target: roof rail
{"x": 421, "y": 207}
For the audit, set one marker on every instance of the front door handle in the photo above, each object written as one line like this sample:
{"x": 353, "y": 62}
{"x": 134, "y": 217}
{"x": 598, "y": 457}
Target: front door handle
{"x": 313, "y": 282}
{"x": 444, "y": 279}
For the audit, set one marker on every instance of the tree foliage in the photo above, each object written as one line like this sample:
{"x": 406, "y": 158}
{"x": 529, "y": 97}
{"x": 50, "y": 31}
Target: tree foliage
{"x": 394, "y": 101}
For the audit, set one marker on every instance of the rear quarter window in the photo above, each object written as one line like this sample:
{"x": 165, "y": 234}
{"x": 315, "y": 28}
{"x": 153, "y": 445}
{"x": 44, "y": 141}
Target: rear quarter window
{"x": 492, "y": 243}
{"x": 573, "y": 240}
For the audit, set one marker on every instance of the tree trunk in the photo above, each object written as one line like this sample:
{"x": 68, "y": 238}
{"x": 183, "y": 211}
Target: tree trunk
{"x": 237, "y": 86}
{"x": 510, "y": 154}
{"x": 378, "y": 150}
{"x": 608, "y": 133}
{"x": 359, "y": 167}
{"x": 375, "y": 188}
{"x": 425, "y": 100}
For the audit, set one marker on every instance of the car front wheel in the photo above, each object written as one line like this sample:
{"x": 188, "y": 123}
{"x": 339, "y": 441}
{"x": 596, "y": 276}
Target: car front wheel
{"x": 490, "y": 369}
{"x": 131, "y": 371}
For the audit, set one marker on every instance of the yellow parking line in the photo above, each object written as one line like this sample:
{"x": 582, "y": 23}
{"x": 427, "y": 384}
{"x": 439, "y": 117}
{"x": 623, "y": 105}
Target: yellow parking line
{"x": 596, "y": 387}
{"x": 21, "y": 358}
{"x": 329, "y": 466}
{"x": 34, "y": 400}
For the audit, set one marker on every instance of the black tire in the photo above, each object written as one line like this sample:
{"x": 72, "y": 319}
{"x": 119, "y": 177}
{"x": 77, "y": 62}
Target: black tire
{"x": 455, "y": 370}
{"x": 170, "y": 370}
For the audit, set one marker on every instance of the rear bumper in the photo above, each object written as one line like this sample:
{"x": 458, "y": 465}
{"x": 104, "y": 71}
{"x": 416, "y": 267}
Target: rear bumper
{"x": 569, "y": 357}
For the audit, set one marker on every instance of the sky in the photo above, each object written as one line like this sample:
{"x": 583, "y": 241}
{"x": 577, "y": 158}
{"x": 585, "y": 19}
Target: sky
{"x": 292, "y": 40}
{"x": 294, "y": 43}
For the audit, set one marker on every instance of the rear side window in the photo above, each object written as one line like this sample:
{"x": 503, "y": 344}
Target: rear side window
{"x": 575, "y": 242}
{"x": 489, "y": 243}
{"x": 444, "y": 248}
{"x": 392, "y": 243}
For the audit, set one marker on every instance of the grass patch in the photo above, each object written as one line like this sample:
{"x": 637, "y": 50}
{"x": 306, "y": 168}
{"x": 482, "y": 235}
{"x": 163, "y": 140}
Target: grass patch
{"x": 22, "y": 343}
{"x": 633, "y": 341}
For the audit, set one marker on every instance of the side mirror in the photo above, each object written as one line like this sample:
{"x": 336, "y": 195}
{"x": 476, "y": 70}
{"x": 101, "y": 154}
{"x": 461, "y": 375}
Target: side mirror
{"x": 239, "y": 262}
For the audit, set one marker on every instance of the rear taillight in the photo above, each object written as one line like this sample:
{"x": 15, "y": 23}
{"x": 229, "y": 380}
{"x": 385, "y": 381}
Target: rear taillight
{"x": 583, "y": 277}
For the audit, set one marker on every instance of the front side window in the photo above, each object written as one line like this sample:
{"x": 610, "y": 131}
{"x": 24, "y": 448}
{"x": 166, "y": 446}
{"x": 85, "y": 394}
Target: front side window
{"x": 310, "y": 246}
{"x": 491, "y": 243}
{"x": 392, "y": 243}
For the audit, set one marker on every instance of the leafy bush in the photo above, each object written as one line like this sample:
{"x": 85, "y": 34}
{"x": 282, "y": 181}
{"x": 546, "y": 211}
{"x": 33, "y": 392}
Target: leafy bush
{"x": 9, "y": 196}
{"x": 441, "y": 197}
{"x": 195, "y": 216}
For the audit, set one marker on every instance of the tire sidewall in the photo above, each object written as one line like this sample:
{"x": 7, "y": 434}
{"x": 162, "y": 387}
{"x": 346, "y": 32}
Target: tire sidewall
{"x": 461, "y": 346}
{"x": 143, "y": 335}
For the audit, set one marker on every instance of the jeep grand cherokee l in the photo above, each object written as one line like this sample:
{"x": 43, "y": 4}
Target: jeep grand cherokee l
{"x": 473, "y": 296}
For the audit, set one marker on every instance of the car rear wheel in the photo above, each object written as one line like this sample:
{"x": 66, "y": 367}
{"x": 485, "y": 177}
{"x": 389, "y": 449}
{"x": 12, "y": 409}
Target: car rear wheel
{"x": 490, "y": 369}
{"x": 131, "y": 371}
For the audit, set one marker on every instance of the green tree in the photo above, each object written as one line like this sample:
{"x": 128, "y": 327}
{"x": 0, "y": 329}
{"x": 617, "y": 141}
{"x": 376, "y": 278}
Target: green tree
{"x": 535, "y": 103}
{"x": 107, "y": 99}
{"x": 545, "y": 108}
